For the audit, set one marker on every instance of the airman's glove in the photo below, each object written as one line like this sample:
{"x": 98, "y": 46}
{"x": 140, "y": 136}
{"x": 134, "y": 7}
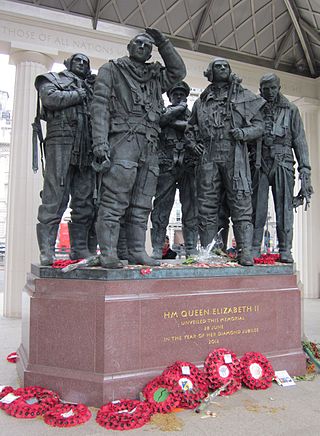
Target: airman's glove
{"x": 157, "y": 36}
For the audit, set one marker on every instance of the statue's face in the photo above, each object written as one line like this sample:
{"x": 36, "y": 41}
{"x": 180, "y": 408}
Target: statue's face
{"x": 80, "y": 66}
{"x": 177, "y": 96}
{"x": 140, "y": 48}
{"x": 221, "y": 71}
{"x": 270, "y": 90}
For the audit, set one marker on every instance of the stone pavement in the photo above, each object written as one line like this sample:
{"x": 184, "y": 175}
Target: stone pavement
{"x": 293, "y": 411}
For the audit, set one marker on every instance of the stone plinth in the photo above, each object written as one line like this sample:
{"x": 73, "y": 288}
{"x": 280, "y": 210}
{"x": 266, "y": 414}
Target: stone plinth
{"x": 97, "y": 335}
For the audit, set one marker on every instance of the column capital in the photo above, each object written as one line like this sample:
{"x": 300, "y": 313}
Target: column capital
{"x": 21, "y": 56}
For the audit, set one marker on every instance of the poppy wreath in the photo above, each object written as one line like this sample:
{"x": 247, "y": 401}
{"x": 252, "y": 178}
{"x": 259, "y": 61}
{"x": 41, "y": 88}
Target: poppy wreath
{"x": 33, "y": 401}
{"x": 12, "y": 357}
{"x": 162, "y": 397}
{"x": 5, "y": 391}
{"x": 191, "y": 384}
{"x": 124, "y": 414}
{"x": 257, "y": 371}
{"x": 62, "y": 263}
{"x": 67, "y": 415}
{"x": 145, "y": 271}
{"x": 315, "y": 350}
{"x": 220, "y": 373}
{"x": 267, "y": 259}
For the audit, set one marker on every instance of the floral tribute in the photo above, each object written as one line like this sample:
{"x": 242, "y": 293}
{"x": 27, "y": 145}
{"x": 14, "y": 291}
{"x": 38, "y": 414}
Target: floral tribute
{"x": 124, "y": 414}
{"x": 181, "y": 384}
{"x": 12, "y": 357}
{"x": 62, "y": 263}
{"x": 67, "y": 415}
{"x": 257, "y": 371}
{"x": 312, "y": 351}
{"x": 267, "y": 259}
{"x": 145, "y": 271}
{"x": 162, "y": 397}
{"x": 190, "y": 382}
{"x": 315, "y": 349}
{"x": 31, "y": 402}
{"x": 5, "y": 390}
{"x": 222, "y": 367}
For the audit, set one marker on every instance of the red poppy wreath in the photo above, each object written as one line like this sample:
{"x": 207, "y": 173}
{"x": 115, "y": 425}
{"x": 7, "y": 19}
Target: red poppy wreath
{"x": 222, "y": 367}
{"x": 31, "y": 402}
{"x": 67, "y": 415}
{"x": 124, "y": 414}
{"x": 161, "y": 396}
{"x": 257, "y": 371}
{"x": 190, "y": 382}
{"x": 4, "y": 391}
{"x": 62, "y": 263}
{"x": 12, "y": 357}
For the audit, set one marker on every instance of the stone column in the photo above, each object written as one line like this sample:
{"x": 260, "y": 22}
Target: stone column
{"x": 306, "y": 242}
{"x": 24, "y": 186}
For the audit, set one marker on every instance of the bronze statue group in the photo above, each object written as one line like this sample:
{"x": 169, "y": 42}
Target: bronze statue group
{"x": 118, "y": 154}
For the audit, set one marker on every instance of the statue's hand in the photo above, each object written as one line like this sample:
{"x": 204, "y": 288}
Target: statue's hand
{"x": 101, "y": 161}
{"x": 183, "y": 105}
{"x": 235, "y": 78}
{"x": 101, "y": 151}
{"x": 306, "y": 188}
{"x": 82, "y": 92}
{"x": 178, "y": 109}
{"x": 91, "y": 78}
{"x": 237, "y": 134}
{"x": 304, "y": 172}
{"x": 156, "y": 35}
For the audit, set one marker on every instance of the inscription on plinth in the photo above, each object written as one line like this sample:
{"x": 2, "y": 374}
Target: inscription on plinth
{"x": 188, "y": 327}
{"x": 211, "y": 325}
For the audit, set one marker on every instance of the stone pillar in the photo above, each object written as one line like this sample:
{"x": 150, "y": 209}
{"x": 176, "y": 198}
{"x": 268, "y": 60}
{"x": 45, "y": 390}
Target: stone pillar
{"x": 306, "y": 242}
{"x": 24, "y": 186}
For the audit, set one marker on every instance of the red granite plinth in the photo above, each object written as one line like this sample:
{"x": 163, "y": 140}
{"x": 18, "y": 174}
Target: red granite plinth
{"x": 98, "y": 340}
